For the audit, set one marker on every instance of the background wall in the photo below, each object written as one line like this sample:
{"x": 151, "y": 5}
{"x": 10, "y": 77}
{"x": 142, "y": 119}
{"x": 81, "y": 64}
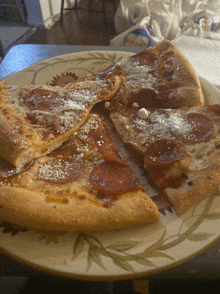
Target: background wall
{"x": 34, "y": 12}
{"x": 45, "y": 12}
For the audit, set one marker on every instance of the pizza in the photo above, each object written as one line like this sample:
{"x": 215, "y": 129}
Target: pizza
{"x": 159, "y": 77}
{"x": 83, "y": 185}
{"x": 180, "y": 149}
{"x": 34, "y": 120}
{"x": 60, "y": 168}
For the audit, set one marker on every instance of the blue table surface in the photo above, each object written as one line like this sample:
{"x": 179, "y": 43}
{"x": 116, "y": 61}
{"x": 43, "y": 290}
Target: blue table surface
{"x": 21, "y": 56}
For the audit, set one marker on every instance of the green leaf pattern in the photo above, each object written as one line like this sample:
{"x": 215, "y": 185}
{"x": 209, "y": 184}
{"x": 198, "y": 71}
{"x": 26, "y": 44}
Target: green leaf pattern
{"x": 119, "y": 252}
{"x": 94, "y": 59}
{"x": 94, "y": 255}
{"x": 78, "y": 246}
{"x": 198, "y": 237}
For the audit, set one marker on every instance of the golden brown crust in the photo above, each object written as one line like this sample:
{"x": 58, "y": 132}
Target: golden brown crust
{"x": 29, "y": 209}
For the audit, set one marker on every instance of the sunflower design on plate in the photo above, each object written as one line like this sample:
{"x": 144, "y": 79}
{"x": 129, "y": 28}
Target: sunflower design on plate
{"x": 64, "y": 79}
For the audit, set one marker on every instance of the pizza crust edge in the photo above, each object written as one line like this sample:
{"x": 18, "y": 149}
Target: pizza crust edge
{"x": 29, "y": 209}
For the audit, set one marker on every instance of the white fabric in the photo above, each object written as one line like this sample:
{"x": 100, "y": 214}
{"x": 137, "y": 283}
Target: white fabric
{"x": 148, "y": 22}
{"x": 204, "y": 55}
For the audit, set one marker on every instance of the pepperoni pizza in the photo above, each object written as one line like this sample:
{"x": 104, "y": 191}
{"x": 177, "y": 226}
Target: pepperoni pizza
{"x": 34, "y": 120}
{"x": 159, "y": 77}
{"x": 180, "y": 149}
{"x": 83, "y": 185}
{"x": 59, "y": 169}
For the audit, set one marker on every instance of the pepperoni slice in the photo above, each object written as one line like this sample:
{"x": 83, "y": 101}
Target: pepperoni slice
{"x": 202, "y": 126}
{"x": 41, "y": 99}
{"x": 140, "y": 98}
{"x": 202, "y": 129}
{"x": 61, "y": 170}
{"x": 165, "y": 152}
{"x": 99, "y": 137}
{"x": 113, "y": 178}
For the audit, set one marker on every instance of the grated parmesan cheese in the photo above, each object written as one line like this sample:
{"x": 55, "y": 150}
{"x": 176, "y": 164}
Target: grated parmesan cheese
{"x": 91, "y": 124}
{"x": 163, "y": 126}
{"x": 54, "y": 171}
{"x": 138, "y": 76}
{"x": 158, "y": 125}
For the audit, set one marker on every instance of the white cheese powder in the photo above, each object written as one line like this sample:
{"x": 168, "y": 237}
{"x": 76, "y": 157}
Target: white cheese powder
{"x": 163, "y": 126}
{"x": 137, "y": 76}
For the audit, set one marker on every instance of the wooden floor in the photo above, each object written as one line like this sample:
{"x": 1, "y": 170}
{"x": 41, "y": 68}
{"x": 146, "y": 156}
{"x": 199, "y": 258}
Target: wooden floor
{"x": 79, "y": 27}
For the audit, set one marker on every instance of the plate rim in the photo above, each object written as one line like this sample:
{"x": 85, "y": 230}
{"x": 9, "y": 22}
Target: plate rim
{"x": 63, "y": 55}
{"x": 104, "y": 278}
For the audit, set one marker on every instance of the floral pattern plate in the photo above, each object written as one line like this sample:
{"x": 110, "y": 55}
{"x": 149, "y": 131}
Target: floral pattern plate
{"x": 111, "y": 255}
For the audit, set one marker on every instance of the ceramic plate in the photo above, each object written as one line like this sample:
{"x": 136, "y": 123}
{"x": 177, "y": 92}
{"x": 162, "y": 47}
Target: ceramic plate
{"x": 112, "y": 255}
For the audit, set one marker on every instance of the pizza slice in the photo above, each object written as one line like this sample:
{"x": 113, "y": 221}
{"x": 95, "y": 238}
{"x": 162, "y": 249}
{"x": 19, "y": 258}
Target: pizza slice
{"x": 34, "y": 120}
{"x": 83, "y": 185}
{"x": 159, "y": 77}
{"x": 180, "y": 149}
